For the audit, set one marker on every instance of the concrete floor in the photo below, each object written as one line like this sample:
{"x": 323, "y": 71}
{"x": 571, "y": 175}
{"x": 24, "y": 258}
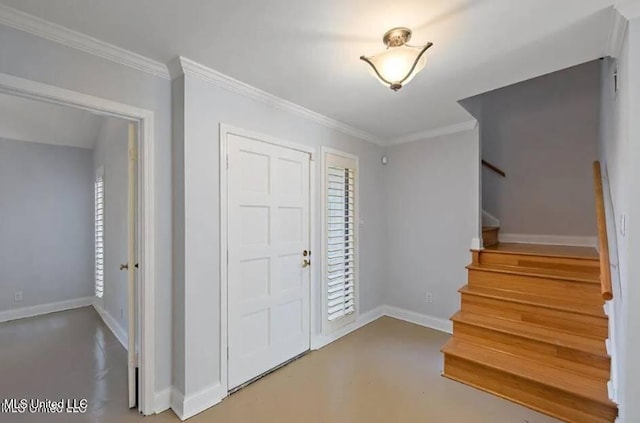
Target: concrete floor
{"x": 388, "y": 371}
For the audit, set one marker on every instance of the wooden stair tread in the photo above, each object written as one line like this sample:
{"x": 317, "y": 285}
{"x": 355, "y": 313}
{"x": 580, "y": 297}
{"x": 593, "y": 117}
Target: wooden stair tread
{"x": 535, "y": 300}
{"x": 562, "y": 251}
{"x": 535, "y": 332}
{"x": 585, "y": 387}
{"x": 532, "y": 329}
{"x": 541, "y": 273}
{"x": 575, "y": 415}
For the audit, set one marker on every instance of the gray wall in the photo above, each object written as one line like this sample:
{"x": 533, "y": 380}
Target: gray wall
{"x": 46, "y": 223}
{"x": 111, "y": 153}
{"x": 31, "y": 57}
{"x": 544, "y": 134}
{"x": 432, "y": 212}
{"x": 196, "y": 189}
{"x": 620, "y": 155}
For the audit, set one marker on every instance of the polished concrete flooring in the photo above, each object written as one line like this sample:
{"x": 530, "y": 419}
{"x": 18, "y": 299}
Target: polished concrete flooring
{"x": 388, "y": 371}
{"x": 70, "y": 354}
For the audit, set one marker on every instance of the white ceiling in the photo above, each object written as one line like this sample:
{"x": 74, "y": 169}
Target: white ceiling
{"x": 306, "y": 51}
{"x": 24, "y": 119}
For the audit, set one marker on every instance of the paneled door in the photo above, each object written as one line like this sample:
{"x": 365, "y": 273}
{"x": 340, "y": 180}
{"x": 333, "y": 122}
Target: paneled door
{"x": 268, "y": 256}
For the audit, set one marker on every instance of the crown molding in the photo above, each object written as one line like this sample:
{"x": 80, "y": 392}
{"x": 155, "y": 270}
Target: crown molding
{"x": 616, "y": 34}
{"x": 437, "y": 132}
{"x": 183, "y": 66}
{"x": 33, "y": 25}
{"x": 630, "y": 9}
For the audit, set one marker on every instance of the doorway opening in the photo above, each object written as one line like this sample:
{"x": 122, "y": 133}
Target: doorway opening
{"x": 77, "y": 190}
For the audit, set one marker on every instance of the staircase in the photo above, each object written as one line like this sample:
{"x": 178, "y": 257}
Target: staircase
{"x": 532, "y": 330}
{"x": 490, "y": 235}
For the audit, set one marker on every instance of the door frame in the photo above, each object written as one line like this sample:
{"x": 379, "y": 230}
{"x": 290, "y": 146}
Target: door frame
{"x": 226, "y": 130}
{"x": 144, "y": 118}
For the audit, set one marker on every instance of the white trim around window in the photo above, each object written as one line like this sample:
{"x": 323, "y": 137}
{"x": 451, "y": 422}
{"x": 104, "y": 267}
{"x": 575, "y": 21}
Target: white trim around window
{"x": 330, "y": 158}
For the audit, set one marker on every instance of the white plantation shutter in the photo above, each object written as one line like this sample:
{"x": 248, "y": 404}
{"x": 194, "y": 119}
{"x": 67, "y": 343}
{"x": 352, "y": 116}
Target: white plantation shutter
{"x": 340, "y": 234}
{"x": 99, "y": 234}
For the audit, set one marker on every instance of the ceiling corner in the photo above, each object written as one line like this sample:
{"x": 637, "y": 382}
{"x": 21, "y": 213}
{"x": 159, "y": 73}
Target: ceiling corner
{"x": 437, "y": 132}
{"x": 183, "y": 66}
{"x": 616, "y": 33}
{"x": 175, "y": 68}
{"x": 25, "y": 22}
{"x": 630, "y": 9}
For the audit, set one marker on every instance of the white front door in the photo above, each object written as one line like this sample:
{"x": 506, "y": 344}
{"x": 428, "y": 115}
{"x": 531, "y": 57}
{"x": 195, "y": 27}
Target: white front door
{"x": 268, "y": 243}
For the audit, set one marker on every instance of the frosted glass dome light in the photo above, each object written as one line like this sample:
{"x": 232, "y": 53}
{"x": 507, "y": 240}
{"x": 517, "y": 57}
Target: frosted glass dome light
{"x": 400, "y": 62}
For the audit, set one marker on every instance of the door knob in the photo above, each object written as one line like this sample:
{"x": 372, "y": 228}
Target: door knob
{"x": 124, "y": 266}
{"x": 306, "y": 263}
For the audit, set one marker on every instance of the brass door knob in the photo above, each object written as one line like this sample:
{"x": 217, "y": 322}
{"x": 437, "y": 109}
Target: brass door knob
{"x": 306, "y": 263}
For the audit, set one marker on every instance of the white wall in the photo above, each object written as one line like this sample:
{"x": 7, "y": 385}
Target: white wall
{"x": 111, "y": 153}
{"x": 31, "y": 57}
{"x": 612, "y": 143}
{"x": 620, "y": 155}
{"x": 544, "y": 134}
{"x": 432, "y": 210}
{"x": 196, "y": 156}
{"x": 46, "y": 223}
{"x": 630, "y": 285}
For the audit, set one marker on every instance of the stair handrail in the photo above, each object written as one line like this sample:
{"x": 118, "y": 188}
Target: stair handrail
{"x": 603, "y": 240}
{"x": 494, "y": 168}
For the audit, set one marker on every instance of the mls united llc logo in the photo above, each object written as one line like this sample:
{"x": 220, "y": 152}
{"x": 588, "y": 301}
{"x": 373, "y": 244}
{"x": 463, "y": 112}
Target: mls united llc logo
{"x": 44, "y": 406}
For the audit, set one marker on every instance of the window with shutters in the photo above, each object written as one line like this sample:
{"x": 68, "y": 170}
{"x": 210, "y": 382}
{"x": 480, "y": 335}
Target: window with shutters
{"x": 340, "y": 239}
{"x": 99, "y": 233}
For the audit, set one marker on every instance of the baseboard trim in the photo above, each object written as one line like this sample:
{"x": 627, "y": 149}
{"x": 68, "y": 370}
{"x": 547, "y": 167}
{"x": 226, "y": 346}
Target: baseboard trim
{"x": 320, "y": 341}
{"x": 162, "y": 401}
{"x": 575, "y": 241}
{"x": 177, "y": 402}
{"x": 611, "y": 392}
{"x": 113, "y": 325}
{"x": 39, "y": 310}
{"x": 476, "y": 243}
{"x": 431, "y": 322}
{"x": 188, "y": 406}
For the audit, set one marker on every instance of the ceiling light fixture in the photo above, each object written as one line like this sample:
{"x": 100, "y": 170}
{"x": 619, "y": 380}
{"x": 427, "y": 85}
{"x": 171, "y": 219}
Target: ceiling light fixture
{"x": 400, "y": 62}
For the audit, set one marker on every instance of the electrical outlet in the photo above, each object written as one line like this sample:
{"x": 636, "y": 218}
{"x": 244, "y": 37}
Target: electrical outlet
{"x": 429, "y": 298}
{"x": 17, "y": 297}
